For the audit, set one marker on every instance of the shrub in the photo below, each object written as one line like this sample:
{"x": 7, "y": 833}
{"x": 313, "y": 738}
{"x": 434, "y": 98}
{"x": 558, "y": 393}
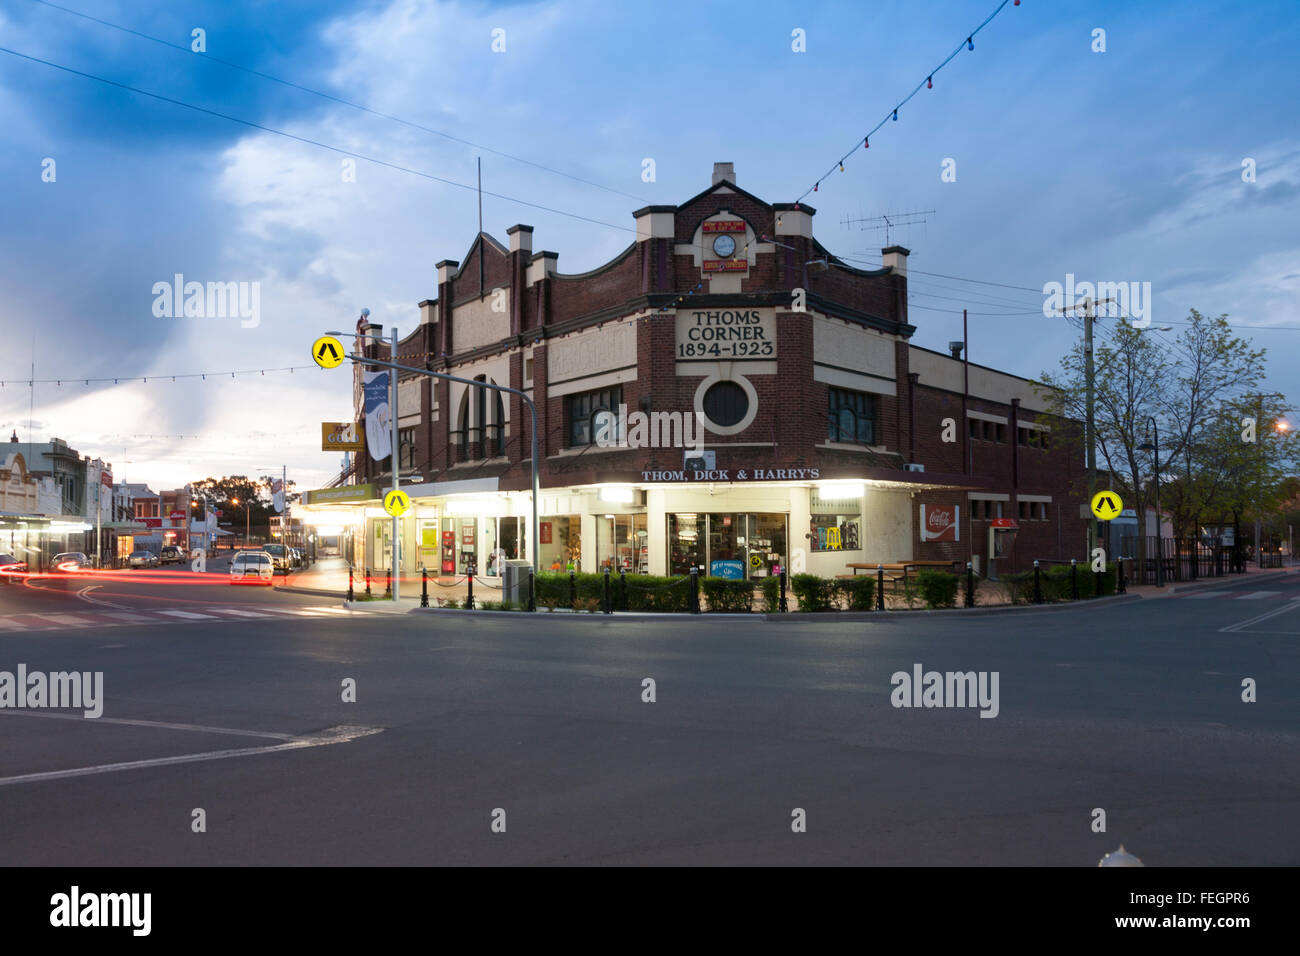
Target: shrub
{"x": 452, "y": 603}
{"x": 856, "y": 593}
{"x": 771, "y": 588}
{"x": 489, "y": 605}
{"x": 814, "y": 593}
{"x": 648, "y": 592}
{"x": 728, "y": 595}
{"x": 555, "y": 585}
{"x": 938, "y": 588}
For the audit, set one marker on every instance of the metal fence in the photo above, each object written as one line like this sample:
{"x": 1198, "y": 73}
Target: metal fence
{"x": 1183, "y": 559}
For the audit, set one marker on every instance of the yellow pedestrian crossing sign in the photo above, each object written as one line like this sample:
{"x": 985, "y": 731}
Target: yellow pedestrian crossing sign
{"x": 327, "y": 352}
{"x": 396, "y": 502}
{"x": 1107, "y": 505}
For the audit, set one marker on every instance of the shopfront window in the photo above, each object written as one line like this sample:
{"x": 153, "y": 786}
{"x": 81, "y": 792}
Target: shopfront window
{"x": 734, "y": 546}
{"x": 621, "y": 544}
{"x": 560, "y": 542}
{"x": 687, "y": 540}
{"x": 836, "y": 524}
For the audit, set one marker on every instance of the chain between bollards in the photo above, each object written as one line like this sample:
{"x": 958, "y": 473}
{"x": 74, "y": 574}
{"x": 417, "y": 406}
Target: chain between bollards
{"x": 1038, "y": 585}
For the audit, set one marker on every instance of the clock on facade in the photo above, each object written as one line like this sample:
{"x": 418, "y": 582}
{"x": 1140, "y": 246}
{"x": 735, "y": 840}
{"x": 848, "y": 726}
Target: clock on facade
{"x": 724, "y": 245}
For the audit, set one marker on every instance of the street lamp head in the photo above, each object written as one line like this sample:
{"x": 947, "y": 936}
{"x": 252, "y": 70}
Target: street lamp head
{"x": 1146, "y": 446}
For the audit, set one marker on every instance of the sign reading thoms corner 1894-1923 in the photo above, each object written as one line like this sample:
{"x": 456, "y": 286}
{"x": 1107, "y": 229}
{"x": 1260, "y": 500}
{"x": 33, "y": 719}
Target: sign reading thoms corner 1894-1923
{"x": 718, "y": 335}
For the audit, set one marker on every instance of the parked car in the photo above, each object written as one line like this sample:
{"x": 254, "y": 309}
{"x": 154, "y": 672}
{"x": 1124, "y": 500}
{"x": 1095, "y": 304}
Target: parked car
{"x": 279, "y": 556}
{"x": 252, "y": 567}
{"x": 11, "y": 567}
{"x": 142, "y": 559}
{"x": 171, "y": 554}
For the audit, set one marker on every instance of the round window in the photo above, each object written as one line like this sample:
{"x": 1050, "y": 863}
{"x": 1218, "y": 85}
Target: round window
{"x": 726, "y": 404}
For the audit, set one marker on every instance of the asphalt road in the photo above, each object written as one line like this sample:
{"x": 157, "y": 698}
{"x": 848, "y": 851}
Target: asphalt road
{"x": 1134, "y": 708}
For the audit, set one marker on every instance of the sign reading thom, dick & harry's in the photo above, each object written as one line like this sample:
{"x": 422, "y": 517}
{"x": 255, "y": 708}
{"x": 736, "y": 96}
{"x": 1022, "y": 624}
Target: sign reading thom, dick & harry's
{"x": 735, "y": 474}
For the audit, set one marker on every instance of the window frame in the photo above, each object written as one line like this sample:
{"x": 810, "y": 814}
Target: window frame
{"x": 864, "y": 409}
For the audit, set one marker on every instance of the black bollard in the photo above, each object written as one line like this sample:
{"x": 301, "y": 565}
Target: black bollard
{"x": 880, "y": 587}
{"x": 424, "y": 587}
{"x": 784, "y": 606}
{"x": 622, "y": 590}
{"x": 351, "y": 596}
{"x": 469, "y": 598}
{"x": 388, "y": 582}
{"x": 367, "y": 582}
{"x": 1074, "y": 579}
{"x": 573, "y": 591}
{"x": 695, "y": 590}
{"x": 1120, "y": 587}
{"x": 970, "y": 585}
{"x": 606, "y": 605}
{"x": 1038, "y": 585}
{"x": 1096, "y": 584}
{"x": 532, "y": 595}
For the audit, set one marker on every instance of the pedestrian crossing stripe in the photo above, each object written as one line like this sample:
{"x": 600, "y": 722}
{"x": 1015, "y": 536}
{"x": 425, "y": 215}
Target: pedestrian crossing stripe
{"x": 35, "y": 621}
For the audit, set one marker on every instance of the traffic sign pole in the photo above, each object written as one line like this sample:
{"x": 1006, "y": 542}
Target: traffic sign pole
{"x": 396, "y": 544}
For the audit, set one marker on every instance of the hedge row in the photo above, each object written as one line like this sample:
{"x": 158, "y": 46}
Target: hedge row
{"x": 645, "y": 592}
{"x": 832, "y": 594}
{"x": 1055, "y": 583}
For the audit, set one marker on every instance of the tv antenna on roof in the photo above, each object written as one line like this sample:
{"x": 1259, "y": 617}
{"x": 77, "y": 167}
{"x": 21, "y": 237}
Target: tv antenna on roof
{"x": 889, "y": 223}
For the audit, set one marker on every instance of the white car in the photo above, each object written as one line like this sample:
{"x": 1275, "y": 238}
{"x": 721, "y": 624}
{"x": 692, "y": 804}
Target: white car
{"x": 252, "y": 567}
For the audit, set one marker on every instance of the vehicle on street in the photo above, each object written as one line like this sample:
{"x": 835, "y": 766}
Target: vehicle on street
{"x": 252, "y": 567}
{"x": 299, "y": 559}
{"x": 11, "y": 567}
{"x": 171, "y": 554}
{"x": 68, "y": 562}
{"x": 142, "y": 559}
{"x": 280, "y": 557}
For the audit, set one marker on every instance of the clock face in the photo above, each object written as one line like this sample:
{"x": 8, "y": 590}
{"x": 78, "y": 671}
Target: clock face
{"x": 724, "y": 245}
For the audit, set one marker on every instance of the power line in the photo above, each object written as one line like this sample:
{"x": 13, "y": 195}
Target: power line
{"x": 310, "y": 142}
{"x": 336, "y": 99}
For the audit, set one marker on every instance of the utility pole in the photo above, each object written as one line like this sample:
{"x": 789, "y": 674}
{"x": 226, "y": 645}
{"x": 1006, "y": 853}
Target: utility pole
{"x": 392, "y": 414}
{"x": 1090, "y": 426}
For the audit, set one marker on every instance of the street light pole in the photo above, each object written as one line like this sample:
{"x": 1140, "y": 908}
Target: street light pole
{"x": 1160, "y": 554}
{"x": 395, "y": 542}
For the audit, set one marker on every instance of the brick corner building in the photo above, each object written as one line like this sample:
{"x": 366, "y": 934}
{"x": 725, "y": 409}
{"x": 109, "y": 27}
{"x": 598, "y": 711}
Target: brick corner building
{"x": 724, "y": 393}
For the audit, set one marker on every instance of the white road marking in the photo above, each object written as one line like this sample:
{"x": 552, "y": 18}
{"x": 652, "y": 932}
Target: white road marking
{"x": 85, "y": 595}
{"x": 189, "y": 615}
{"x": 237, "y": 613}
{"x": 65, "y": 619}
{"x": 331, "y": 735}
{"x": 1257, "y": 595}
{"x": 129, "y": 616}
{"x": 162, "y": 725}
{"x": 1241, "y": 625}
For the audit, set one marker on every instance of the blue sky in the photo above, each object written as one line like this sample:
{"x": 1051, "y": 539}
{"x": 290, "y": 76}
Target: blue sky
{"x": 1115, "y": 166}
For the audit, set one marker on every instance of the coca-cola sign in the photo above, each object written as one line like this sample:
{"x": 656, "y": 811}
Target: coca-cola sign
{"x": 940, "y": 523}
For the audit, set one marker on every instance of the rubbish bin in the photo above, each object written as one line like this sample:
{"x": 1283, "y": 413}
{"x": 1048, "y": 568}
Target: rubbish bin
{"x": 514, "y": 581}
